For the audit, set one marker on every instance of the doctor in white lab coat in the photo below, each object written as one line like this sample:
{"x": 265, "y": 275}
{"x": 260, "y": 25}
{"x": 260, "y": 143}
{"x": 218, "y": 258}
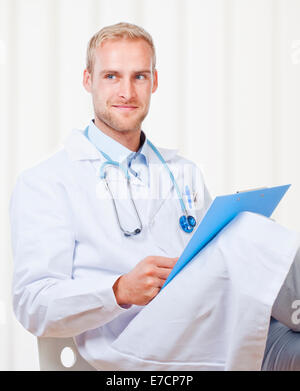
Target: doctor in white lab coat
{"x": 77, "y": 274}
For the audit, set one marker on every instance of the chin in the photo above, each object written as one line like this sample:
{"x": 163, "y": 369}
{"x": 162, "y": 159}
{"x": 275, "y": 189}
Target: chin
{"x": 123, "y": 125}
{"x": 127, "y": 128}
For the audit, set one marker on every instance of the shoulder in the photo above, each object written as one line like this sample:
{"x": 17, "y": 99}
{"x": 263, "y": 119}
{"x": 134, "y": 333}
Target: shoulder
{"x": 42, "y": 187}
{"x": 45, "y": 180}
{"x": 56, "y": 166}
{"x": 173, "y": 158}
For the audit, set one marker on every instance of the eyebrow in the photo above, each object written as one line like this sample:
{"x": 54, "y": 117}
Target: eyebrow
{"x": 105, "y": 71}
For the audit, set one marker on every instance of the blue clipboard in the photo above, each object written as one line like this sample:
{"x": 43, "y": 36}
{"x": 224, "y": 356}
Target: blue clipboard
{"x": 221, "y": 211}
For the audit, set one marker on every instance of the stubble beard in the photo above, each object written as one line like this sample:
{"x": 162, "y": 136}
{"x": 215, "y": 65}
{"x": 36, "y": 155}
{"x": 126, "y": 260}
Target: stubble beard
{"x": 115, "y": 123}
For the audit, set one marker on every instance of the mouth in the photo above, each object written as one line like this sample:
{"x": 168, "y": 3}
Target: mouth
{"x": 125, "y": 108}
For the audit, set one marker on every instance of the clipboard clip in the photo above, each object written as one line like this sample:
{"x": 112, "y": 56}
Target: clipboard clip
{"x": 258, "y": 188}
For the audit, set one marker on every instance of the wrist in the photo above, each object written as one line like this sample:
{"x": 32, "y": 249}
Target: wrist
{"x": 119, "y": 292}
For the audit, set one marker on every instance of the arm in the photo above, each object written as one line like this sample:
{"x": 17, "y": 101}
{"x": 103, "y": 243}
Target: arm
{"x": 47, "y": 300}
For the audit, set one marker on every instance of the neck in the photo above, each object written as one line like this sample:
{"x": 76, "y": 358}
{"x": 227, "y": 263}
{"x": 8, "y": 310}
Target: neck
{"x": 129, "y": 138}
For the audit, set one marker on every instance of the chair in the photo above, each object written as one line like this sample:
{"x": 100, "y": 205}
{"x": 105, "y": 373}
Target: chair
{"x": 60, "y": 354}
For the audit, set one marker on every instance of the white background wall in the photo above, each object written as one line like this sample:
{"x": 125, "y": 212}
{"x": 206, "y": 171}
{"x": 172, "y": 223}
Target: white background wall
{"x": 228, "y": 98}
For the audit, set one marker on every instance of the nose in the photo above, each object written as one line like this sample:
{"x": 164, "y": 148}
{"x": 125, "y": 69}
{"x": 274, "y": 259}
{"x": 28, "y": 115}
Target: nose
{"x": 126, "y": 89}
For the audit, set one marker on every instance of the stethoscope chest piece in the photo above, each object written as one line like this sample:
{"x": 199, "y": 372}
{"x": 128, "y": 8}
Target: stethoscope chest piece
{"x": 187, "y": 223}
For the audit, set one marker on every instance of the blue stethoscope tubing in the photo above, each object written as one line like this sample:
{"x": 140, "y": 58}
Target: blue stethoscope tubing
{"x": 186, "y": 221}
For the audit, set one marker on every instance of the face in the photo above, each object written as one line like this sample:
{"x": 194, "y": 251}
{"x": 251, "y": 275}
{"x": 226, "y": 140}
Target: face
{"x": 121, "y": 84}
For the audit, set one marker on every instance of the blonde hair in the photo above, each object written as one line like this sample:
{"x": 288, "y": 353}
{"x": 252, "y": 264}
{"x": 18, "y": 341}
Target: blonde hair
{"x": 117, "y": 31}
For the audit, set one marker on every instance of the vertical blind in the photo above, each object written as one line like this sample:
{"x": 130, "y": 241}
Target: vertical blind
{"x": 228, "y": 98}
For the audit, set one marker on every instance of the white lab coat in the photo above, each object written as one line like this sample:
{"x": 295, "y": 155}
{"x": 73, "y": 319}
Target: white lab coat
{"x": 68, "y": 252}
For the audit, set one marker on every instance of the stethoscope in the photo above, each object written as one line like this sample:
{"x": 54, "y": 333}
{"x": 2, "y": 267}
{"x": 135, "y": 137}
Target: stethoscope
{"x": 186, "y": 221}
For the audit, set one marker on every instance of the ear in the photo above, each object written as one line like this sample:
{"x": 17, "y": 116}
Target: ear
{"x": 87, "y": 80}
{"x": 155, "y": 81}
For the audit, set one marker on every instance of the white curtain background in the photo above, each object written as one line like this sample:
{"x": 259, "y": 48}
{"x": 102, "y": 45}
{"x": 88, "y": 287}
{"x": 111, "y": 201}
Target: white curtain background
{"x": 228, "y": 98}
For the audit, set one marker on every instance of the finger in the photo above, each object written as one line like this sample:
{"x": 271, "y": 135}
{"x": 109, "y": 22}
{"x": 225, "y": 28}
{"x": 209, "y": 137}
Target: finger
{"x": 161, "y": 283}
{"x": 163, "y": 272}
{"x": 158, "y": 283}
{"x": 165, "y": 261}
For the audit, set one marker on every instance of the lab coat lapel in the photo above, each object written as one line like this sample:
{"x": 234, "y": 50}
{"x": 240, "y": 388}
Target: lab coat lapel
{"x": 161, "y": 185}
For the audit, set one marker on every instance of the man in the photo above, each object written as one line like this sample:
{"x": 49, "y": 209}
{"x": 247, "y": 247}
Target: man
{"x": 90, "y": 261}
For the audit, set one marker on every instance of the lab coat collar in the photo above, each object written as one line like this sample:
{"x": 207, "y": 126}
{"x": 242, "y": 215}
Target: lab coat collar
{"x": 79, "y": 147}
{"x": 116, "y": 151}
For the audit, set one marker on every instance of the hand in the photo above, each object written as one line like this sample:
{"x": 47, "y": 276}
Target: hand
{"x": 143, "y": 283}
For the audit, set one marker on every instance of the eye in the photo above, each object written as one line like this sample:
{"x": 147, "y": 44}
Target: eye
{"x": 140, "y": 77}
{"x": 110, "y": 76}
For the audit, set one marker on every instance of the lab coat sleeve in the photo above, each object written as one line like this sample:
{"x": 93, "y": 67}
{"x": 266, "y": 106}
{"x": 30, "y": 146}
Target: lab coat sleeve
{"x": 47, "y": 300}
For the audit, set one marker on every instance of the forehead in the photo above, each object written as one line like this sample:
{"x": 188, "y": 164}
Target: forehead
{"x": 123, "y": 53}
